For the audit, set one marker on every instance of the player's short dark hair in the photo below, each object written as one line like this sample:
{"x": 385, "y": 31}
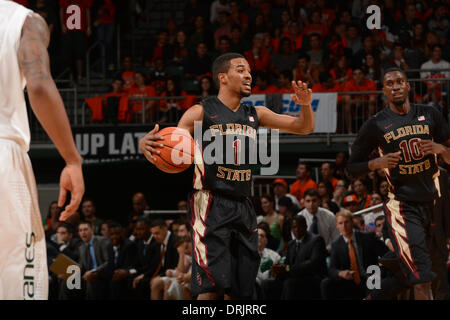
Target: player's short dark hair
{"x": 158, "y": 223}
{"x": 312, "y": 193}
{"x": 222, "y": 64}
{"x": 299, "y": 219}
{"x": 394, "y": 69}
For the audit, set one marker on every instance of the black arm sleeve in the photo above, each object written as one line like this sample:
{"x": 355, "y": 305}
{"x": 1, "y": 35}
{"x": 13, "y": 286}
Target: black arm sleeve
{"x": 364, "y": 144}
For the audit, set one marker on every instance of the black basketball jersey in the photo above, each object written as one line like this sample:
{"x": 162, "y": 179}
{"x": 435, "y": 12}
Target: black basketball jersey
{"x": 415, "y": 178}
{"x": 224, "y": 155}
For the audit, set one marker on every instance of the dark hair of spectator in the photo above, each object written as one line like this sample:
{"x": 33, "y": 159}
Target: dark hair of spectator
{"x": 328, "y": 186}
{"x": 299, "y": 219}
{"x": 382, "y": 217}
{"x": 114, "y": 224}
{"x": 285, "y": 201}
{"x": 86, "y": 199}
{"x": 265, "y": 226}
{"x": 145, "y": 220}
{"x": 87, "y": 223}
{"x": 67, "y": 226}
{"x": 311, "y": 193}
{"x": 158, "y": 223}
{"x": 307, "y": 166}
{"x": 222, "y": 64}
{"x": 268, "y": 197}
{"x": 436, "y": 45}
{"x": 181, "y": 240}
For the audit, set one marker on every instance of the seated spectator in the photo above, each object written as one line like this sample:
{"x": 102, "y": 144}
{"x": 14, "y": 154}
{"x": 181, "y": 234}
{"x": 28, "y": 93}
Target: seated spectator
{"x": 327, "y": 172}
{"x": 359, "y": 188}
{"x": 288, "y": 210}
{"x": 199, "y": 64}
{"x": 52, "y": 221}
{"x": 272, "y": 218}
{"x": 372, "y": 68}
{"x": 104, "y": 229}
{"x": 201, "y": 34}
{"x": 406, "y": 23}
{"x": 299, "y": 277}
{"x": 340, "y": 165}
{"x": 194, "y": 8}
{"x": 359, "y": 58}
{"x": 141, "y": 90}
{"x": 166, "y": 256}
{"x": 94, "y": 262}
{"x": 122, "y": 257}
{"x": 171, "y": 28}
{"x": 431, "y": 39}
{"x": 439, "y": 22}
{"x": 339, "y": 192}
{"x": 304, "y": 72}
{"x": 315, "y": 25}
{"x": 224, "y": 29}
{"x": 284, "y": 59}
{"x": 139, "y": 205}
{"x": 383, "y": 189}
{"x": 170, "y": 109}
{"x": 217, "y": 7}
{"x": 268, "y": 258}
{"x": 183, "y": 229}
{"x": 317, "y": 53}
{"x": 180, "y": 49}
{"x": 351, "y": 254}
{"x": 272, "y": 243}
{"x": 162, "y": 49}
{"x": 326, "y": 84}
{"x": 358, "y": 222}
{"x": 325, "y": 190}
{"x": 369, "y": 218}
{"x": 379, "y": 225}
{"x": 341, "y": 73}
{"x": 88, "y": 210}
{"x": 127, "y": 73}
{"x": 351, "y": 102}
{"x": 285, "y": 81}
{"x": 295, "y": 35}
{"x": 280, "y": 188}
{"x": 283, "y": 24}
{"x": 223, "y": 46}
{"x": 206, "y": 87}
{"x": 320, "y": 220}
{"x": 397, "y": 58}
{"x": 258, "y": 58}
{"x": 237, "y": 17}
{"x": 327, "y": 14}
{"x": 262, "y": 84}
{"x": 351, "y": 203}
{"x": 353, "y": 40}
{"x": 159, "y": 76}
{"x": 303, "y": 183}
{"x": 237, "y": 44}
{"x": 113, "y": 106}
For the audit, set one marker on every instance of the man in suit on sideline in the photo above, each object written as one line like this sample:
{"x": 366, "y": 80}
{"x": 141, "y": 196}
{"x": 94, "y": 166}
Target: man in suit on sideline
{"x": 122, "y": 254}
{"x": 305, "y": 266}
{"x": 351, "y": 254}
{"x": 94, "y": 262}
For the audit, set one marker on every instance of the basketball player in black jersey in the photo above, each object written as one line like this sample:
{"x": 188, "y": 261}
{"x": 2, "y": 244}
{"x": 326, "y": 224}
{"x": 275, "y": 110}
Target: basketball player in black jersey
{"x": 225, "y": 237}
{"x": 408, "y": 138}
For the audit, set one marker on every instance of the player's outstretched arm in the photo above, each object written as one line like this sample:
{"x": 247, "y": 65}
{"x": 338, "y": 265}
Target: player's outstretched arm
{"x": 303, "y": 124}
{"x": 49, "y": 108}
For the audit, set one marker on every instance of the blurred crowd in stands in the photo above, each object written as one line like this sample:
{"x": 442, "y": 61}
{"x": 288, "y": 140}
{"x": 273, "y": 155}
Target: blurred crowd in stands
{"x": 324, "y": 43}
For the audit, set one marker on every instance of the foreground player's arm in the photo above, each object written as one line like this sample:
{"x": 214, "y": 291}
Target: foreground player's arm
{"x": 49, "y": 108}
{"x": 303, "y": 124}
{"x": 441, "y": 137}
{"x": 431, "y": 147}
{"x": 364, "y": 144}
{"x": 149, "y": 143}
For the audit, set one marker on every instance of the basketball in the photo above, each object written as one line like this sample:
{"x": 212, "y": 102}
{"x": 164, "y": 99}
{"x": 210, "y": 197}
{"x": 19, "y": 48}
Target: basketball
{"x": 177, "y": 154}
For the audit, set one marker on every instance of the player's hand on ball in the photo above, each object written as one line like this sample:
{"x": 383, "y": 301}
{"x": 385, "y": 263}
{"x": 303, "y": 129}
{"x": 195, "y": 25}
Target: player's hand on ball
{"x": 148, "y": 144}
{"x": 303, "y": 95}
{"x": 429, "y": 147}
{"x": 71, "y": 180}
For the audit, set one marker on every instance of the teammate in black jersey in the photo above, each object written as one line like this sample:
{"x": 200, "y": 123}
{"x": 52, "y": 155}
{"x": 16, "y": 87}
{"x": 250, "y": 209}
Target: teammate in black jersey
{"x": 223, "y": 220}
{"x": 408, "y": 138}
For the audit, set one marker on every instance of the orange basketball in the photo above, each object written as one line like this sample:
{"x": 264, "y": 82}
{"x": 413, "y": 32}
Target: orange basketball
{"x": 177, "y": 154}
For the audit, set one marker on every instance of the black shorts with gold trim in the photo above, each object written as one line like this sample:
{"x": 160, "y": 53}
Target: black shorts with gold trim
{"x": 409, "y": 230}
{"x": 225, "y": 244}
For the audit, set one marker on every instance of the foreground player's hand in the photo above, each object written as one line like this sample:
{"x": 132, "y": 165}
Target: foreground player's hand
{"x": 71, "y": 180}
{"x": 430, "y": 147}
{"x": 120, "y": 274}
{"x": 303, "y": 95}
{"x": 148, "y": 144}
{"x": 389, "y": 161}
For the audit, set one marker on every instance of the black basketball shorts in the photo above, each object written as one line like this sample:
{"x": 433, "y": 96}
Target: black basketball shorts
{"x": 409, "y": 230}
{"x": 225, "y": 245}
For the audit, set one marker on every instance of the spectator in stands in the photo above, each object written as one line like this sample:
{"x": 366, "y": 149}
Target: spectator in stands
{"x": 436, "y": 62}
{"x": 284, "y": 59}
{"x": 182, "y": 205}
{"x": 359, "y": 188}
{"x": 224, "y": 46}
{"x": 285, "y": 81}
{"x": 139, "y": 204}
{"x": 351, "y": 254}
{"x": 171, "y": 28}
{"x": 295, "y": 35}
{"x": 351, "y": 203}
{"x": 353, "y": 40}
{"x": 128, "y": 72}
{"x": 105, "y": 23}
{"x": 358, "y": 222}
{"x": 317, "y": 53}
{"x": 272, "y": 218}
{"x": 379, "y": 225}
{"x": 74, "y": 41}
{"x": 327, "y": 14}
{"x": 198, "y": 64}
{"x": 201, "y": 34}
{"x": 166, "y": 255}
{"x": 418, "y": 38}
{"x": 272, "y": 243}
{"x": 280, "y": 188}
{"x": 325, "y": 190}
{"x": 288, "y": 209}
{"x": 237, "y": 43}
{"x": 326, "y": 84}
{"x": 341, "y": 165}
{"x": 369, "y": 218}
{"x": 162, "y": 48}
{"x": 94, "y": 262}
{"x": 303, "y": 183}
{"x": 262, "y": 84}
{"x": 183, "y": 229}
{"x": 268, "y": 258}
{"x": 372, "y": 68}
{"x": 431, "y": 39}
{"x": 145, "y": 264}
{"x": 383, "y": 189}
{"x": 141, "y": 90}
{"x": 320, "y": 220}
{"x": 88, "y": 211}
{"x": 206, "y": 87}
{"x": 339, "y": 193}
{"x": 397, "y": 59}
{"x": 180, "y": 49}
{"x": 257, "y": 57}
{"x": 217, "y": 7}
{"x": 406, "y": 23}
{"x": 315, "y": 26}
{"x": 237, "y": 17}
{"x": 122, "y": 257}
{"x": 439, "y": 22}
{"x": 283, "y": 25}
{"x": 193, "y": 9}
{"x": 104, "y": 230}
{"x": 52, "y": 221}
{"x": 170, "y": 110}
{"x": 351, "y": 102}
{"x": 159, "y": 76}
{"x": 304, "y": 72}
{"x": 359, "y": 58}
{"x": 224, "y": 28}
{"x": 304, "y": 269}
{"x": 327, "y": 171}
{"x": 341, "y": 72}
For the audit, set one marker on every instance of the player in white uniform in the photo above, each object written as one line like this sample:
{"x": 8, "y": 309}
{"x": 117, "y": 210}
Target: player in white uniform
{"x": 24, "y": 61}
